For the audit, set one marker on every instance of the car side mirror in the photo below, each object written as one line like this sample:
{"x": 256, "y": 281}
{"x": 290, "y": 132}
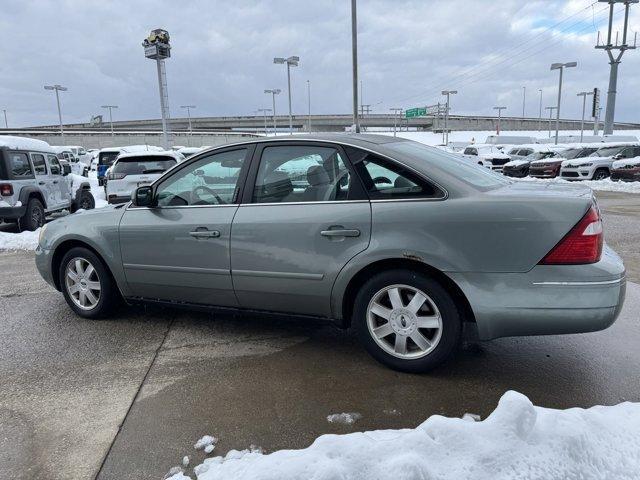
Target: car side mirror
{"x": 66, "y": 169}
{"x": 142, "y": 196}
{"x": 617, "y": 156}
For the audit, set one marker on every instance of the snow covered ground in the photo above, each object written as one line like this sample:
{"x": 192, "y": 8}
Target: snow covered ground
{"x": 517, "y": 441}
{"x": 606, "y": 185}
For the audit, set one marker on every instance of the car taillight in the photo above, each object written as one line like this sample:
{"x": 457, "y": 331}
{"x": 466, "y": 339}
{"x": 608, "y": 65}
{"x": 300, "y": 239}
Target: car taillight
{"x": 116, "y": 176}
{"x": 583, "y": 244}
{"x": 6, "y": 189}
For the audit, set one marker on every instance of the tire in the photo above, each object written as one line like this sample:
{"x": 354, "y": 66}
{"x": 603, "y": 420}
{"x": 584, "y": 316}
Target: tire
{"x": 89, "y": 302}
{"x": 443, "y": 340}
{"x": 86, "y": 201}
{"x": 601, "y": 174}
{"x": 34, "y": 217}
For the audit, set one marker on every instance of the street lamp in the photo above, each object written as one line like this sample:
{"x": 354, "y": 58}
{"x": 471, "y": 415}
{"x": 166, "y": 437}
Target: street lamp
{"x": 499, "y": 117}
{"x": 58, "y": 88}
{"x": 110, "y": 107}
{"x": 551, "y": 109}
{"x": 264, "y": 112}
{"x": 447, "y": 93}
{"x": 274, "y": 92}
{"x": 290, "y": 61}
{"x": 561, "y": 67}
{"x": 395, "y": 111}
{"x": 584, "y": 96}
{"x": 189, "y": 107}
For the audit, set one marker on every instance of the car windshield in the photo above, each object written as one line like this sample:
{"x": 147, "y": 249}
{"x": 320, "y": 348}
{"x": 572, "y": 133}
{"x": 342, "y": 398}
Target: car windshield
{"x": 143, "y": 164}
{"x": 608, "y": 151}
{"x": 571, "y": 153}
{"x": 451, "y": 164}
{"x": 539, "y": 156}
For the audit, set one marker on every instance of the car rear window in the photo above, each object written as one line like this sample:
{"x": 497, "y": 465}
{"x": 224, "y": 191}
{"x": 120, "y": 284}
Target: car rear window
{"x": 107, "y": 158}
{"x": 17, "y": 167}
{"x": 143, "y": 164}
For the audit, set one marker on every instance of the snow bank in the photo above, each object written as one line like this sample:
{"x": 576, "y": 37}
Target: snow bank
{"x": 346, "y": 418}
{"x": 19, "y": 241}
{"x": 518, "y": 440}
{"x": 606, "y": 185}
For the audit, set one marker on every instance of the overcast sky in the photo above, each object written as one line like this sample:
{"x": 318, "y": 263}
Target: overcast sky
{"x": 222, "y": 55}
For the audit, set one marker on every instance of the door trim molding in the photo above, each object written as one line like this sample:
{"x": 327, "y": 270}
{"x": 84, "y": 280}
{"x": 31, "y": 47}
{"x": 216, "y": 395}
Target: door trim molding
{"x": 293, "y": 275}
{"x": 167, "y": 268}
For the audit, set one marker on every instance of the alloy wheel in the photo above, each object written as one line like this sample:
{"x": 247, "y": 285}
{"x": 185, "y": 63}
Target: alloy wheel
{"x": 404, "y": 321}
{"x": 82, "y": 283}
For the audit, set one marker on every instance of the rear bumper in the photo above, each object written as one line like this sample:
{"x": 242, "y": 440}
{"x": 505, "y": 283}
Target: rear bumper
{"x": 547, "y": 300}
{"x": 11, "y": 213}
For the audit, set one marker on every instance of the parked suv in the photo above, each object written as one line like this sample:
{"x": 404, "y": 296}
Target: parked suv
{"x": 66, "y": 153}
{"x": 550, "y": 167}
{"x": 490, "y": 156}
{"x": 34, "y": 183}
{"x": 598, "y": 165}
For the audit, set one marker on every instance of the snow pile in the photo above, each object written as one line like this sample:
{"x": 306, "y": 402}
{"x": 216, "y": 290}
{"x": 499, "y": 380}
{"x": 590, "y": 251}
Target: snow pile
{"x": 346, "y": 418}
{"x": 606, "y": 185}
{"x": 206, "y": 443}
{"x": 19, "y": 241}
{"x": 518, "y": 440}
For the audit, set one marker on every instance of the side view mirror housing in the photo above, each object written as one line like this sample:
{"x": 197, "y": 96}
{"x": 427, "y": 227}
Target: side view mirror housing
{"x": 142, "y": 196}
{"x": 66, "y": 169}
{"x": 617, "y": 156}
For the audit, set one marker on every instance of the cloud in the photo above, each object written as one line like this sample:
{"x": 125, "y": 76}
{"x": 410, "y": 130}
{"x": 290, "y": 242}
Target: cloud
{"x": 223, "y": 50}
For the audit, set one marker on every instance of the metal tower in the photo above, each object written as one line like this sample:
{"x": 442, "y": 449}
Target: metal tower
{"x": 156, "y": 47}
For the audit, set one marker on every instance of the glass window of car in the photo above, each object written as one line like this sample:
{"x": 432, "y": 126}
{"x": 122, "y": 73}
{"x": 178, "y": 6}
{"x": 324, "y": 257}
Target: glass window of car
{"x": 386, "y": 180}
{"x": 514, "y": 151}
{"x": 296, "y": 173}
{"x": 140, "y": 165}
{"x": 470, "y": 151}
{"x": 19, "y": 166}
{"x": 39, "y": 165}
{"x": 54, "y": 165}
{"x": 212, "y": 180}
{"x": 608, "y": 151}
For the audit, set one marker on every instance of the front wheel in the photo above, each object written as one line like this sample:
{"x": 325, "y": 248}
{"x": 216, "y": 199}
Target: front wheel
{"x": 407, "y": 320}
{"x": 601, "y": 174}
{"x": 86, "y": 284}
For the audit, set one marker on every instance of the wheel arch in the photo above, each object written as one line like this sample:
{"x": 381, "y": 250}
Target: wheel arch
{"x": 361, "y": 276}
{"x": 26, "y": 193}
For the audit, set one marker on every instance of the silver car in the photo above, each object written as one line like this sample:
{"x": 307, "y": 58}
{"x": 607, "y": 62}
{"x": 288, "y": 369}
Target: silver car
{"x": 409, "y": 245}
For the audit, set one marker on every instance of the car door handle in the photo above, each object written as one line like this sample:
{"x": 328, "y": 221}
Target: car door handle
{"x": 40, "y": 183}
{"x": 340, "y": 233}
{"x": 55, "y": 181}
{"x": 205, "y": 233}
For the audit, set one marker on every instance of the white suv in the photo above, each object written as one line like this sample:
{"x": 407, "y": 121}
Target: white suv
{"x": 597, "y": 166}
{"x": 133, "y": 170}
{"x": 489, "y": 156}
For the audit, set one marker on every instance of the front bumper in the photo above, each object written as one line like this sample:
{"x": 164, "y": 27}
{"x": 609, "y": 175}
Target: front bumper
{"x": 518, "y": 172}
{"x": 576, "y": 173}
{"x": 626, "y": 175}
{"x": 544, "y": 171}
{"x": 547, "y": 300}
{"x": 12, "y": 213}
{"x": 43, "y": 264}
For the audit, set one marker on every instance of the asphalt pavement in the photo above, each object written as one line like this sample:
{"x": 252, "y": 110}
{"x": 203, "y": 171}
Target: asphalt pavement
{"x": 126, "y": 398}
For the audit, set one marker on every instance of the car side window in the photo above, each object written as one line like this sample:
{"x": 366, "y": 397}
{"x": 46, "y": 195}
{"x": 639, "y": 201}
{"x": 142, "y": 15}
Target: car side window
{"x": 54, "y": 165}
{"x": 387, "y": 180}
{"x": 212, "y": 180}
{"x": 39, "y": 164}
{"x": 297, "y": 173}
{"x": 19, "y": 166}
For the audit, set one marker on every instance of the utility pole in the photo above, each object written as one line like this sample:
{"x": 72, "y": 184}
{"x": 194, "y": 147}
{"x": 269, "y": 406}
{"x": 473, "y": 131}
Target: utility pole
{"x": 614, "y": 60}
{"x": 395, "y": 111}
{"x": 290, "y": 62}
{"x": 524, "y": 97}
{"x": 499, "y": 109}
{"x": 58, "y": 88}
{"x": 561, "y": 67}
{"x": 110, "y": 107}
{"x": 156, "y": 47}
{"x": 540, "y": 113}
{"x": 309, "y": 104}
{"x": 596, "y": 123}
{"x": 551, "y": 109}
{"x": 264, "y": 112}
{"x": 354, "y": 63}
{"x": 447, "y": 93}
{"x": 584, "y": 96}
{"x": 274, "y": 92}
{"x": 189, "y": 107}
{"x": 6, "y": 124}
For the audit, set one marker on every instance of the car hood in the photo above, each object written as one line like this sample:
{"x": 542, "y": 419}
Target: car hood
{"x": 549, "y": 160}
{"x": 579, "y": 161}
{"x": 627, "y": 163}
{"x": 516, "y": 163}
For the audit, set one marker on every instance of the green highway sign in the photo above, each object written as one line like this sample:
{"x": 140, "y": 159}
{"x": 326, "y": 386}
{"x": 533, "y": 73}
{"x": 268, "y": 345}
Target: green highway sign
{"x": 415, "y": 112}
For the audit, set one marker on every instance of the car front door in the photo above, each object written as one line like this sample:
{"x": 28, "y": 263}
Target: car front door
{"x": 304, "y": 215}
{"x": 44, "y": 180}
{"x": 178, "y": 250}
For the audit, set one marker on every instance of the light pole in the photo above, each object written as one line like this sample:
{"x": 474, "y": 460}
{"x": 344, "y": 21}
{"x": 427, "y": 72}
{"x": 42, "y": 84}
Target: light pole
{"x": 540, "y": 113}
{"x": 395, "y": 111}
{"x": 274, "y": 92}
{"x": 157, "y": 47}
{"x": 290, "y": 61}
{"x": 264, "y": 112}
{"x": 499, "y": 117}
{"x": 6, "y": 124}
{"x": 584, "y": 96}
{"x": 561, "y": 67}
{"x": 354, "y": 63}
{"x": 110, "y": 107}
{"x": 189, "y": 107}
{"x": 551, "y": 109}
{"x": 524, "y": 97}
{"x": 58, "y": 88}
{"x": 447, "y": 93}
{"x": 309, "y": 104}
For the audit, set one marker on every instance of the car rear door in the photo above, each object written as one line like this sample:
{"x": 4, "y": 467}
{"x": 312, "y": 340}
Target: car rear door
{"x": 178, "y": 250}
{"x": 44, "y": 180}
{"x": 304, "y": 215}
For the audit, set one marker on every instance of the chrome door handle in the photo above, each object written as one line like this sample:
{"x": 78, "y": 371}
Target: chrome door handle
{"x": 340, "y": 233}
{"x": 205, "y": 234}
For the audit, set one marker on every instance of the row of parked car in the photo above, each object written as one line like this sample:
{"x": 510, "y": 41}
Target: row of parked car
{"x": 581, "y": 161}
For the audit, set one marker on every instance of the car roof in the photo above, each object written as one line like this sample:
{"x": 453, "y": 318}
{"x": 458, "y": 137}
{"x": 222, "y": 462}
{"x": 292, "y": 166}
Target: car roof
{"x": 23, "y": 143}
{"x": 166, "y": 153}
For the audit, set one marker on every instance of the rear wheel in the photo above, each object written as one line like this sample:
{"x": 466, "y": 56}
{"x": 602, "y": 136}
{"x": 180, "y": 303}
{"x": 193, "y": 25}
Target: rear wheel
{"x": 86, "y": 284}
{"x": 601, "y": 174}
{"x": 34, "y": 216}
{"x": 407, "y": 320}
{"x": 86, "y": 201}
